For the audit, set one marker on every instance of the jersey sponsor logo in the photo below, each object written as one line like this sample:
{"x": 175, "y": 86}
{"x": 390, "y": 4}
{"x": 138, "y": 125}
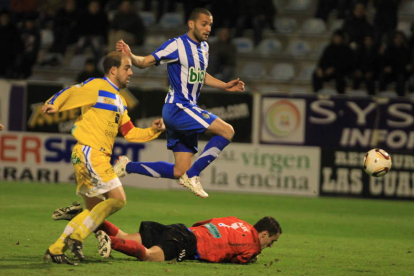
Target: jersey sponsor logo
{"x": 235, "y": 226}
{"x": 111, "y": 134}
{"x": 196, "y": 76}
{"x": 109, "y": 101}
{"x": 213, "y": 230}
{"x": 110, "y": 171}
{"x": 75, "y": 159}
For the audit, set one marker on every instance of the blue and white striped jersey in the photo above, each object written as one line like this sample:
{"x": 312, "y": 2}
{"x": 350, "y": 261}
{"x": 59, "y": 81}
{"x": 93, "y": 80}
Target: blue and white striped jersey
{"x": 187, "y": 64}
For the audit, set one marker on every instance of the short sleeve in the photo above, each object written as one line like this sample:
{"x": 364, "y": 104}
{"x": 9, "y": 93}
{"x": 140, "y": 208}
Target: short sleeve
{"x": 167, "y": 52}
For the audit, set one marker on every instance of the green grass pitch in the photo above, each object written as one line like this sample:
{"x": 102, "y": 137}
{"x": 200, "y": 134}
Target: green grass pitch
{"x": 321, "y": 236}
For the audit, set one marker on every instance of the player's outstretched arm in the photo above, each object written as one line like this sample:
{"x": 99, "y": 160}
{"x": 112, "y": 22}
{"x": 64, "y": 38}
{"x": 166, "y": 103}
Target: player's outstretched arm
{"x": 139, "y": 61}
{"x": 71, "y": 97}
{"x": 48, "y": 109}
{"x": 1, "y": 127}
{"x": 234, "y": 86}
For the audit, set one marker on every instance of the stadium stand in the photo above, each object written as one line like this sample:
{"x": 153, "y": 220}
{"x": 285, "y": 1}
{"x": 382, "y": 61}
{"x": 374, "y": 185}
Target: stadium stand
{"x": 244, "y": 45}
{"x": 407, "y": 8}
{"x": 253, "y": 69}
{"x": 305, "y": 73}
{"x": 298, "y": 5}
{"x": 287, "y": 55}
{"x": 46, "y": 37}
{"x": 298, "y": 48}
{"x": 77, "y": 61}
{"x": 313, "y": 26}
{"x": 171, "y": 20}
{"x": 269, "y": 46}
{"x": 282, "y": 71}
{"x": 286, "y": 25}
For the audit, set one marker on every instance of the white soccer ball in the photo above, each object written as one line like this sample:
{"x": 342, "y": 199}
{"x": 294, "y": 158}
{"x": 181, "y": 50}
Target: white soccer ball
{"x": 377, "y": 162}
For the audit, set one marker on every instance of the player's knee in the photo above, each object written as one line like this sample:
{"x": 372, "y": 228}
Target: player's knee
{"x": 229, "y": 133}
{"x": 117, "y": 204}
{"x": 122, "y": 203}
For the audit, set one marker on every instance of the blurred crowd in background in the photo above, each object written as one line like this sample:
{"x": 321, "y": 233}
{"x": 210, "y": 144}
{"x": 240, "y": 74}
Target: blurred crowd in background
{"x": 368, "y": 52}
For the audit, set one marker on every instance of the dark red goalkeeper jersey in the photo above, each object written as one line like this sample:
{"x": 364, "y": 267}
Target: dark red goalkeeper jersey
{"x": 227, "y": 239}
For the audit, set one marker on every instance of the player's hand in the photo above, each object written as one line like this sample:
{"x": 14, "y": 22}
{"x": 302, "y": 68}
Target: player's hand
{"x": 1, "y": 126}
{"x": 235, "y": 85}
{"x": 121, "y": 46}
{"x": 158, "y": 125}
{"x": 48, "y": 109}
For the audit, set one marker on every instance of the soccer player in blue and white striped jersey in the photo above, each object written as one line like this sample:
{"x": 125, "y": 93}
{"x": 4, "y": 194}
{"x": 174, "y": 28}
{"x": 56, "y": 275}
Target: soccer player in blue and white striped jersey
{"x": 186, "y": 57}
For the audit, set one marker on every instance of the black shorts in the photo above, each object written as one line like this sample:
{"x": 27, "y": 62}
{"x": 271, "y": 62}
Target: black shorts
{"x": 176, "y": 240}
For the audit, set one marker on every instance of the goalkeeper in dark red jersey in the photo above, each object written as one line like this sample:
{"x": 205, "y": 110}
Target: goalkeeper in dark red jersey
{"x": 227, "y": 239}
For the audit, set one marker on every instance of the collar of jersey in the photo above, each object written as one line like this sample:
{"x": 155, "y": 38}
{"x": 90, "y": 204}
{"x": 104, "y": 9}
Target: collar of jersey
{"x": 111, "y": 83}
{"x": 189, "y": 38}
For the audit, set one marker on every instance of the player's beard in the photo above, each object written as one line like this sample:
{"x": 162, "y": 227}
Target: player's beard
{"x": 198, "y": 35}
{"x": 122, "y": 83}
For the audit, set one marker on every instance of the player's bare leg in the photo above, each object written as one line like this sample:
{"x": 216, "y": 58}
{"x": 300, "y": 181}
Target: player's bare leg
{"x": 183, "y": 161}
{"x": 223, "y": 133}
{"x": 154, "y": 254}
{"x": 220, "y": 127}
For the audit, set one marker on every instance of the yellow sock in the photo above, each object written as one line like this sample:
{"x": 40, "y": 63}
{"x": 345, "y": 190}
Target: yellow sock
{"x": 59, "y": 246}
{"x": 96, "y": 217}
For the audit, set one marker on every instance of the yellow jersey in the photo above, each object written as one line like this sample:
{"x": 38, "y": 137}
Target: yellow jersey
{"x": 104, "y": 113}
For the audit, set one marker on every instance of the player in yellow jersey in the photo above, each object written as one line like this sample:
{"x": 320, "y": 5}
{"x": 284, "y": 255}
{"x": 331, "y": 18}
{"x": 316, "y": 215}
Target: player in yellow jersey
{"x": 104, "y": 113}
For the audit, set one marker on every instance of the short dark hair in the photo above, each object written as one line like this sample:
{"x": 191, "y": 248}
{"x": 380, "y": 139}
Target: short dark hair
{"x": 268, "y": 224}
{"x": 196, "y": 12}
{"x": 112, "y": 59}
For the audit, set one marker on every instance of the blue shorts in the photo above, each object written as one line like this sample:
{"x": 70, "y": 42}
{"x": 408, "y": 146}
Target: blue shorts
{"x": 184, "y": 123}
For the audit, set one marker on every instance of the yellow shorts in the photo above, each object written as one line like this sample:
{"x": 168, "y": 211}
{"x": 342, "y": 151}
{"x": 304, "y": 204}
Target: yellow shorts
{"x": 94, "y": 173}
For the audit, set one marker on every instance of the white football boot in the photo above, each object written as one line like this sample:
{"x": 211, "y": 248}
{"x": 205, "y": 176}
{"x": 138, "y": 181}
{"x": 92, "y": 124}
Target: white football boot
{"x": 104, "y": 245}
{"x": 193, "y": 184}
{"x": 120, "y": 166}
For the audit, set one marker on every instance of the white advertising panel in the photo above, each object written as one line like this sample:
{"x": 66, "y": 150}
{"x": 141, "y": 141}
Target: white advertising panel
{"x": 282, "y": 170}
{"x": 42, "y": 157}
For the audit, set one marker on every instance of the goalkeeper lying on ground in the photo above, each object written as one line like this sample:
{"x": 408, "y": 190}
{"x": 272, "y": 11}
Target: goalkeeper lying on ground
{"x": 227, "y": 239}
